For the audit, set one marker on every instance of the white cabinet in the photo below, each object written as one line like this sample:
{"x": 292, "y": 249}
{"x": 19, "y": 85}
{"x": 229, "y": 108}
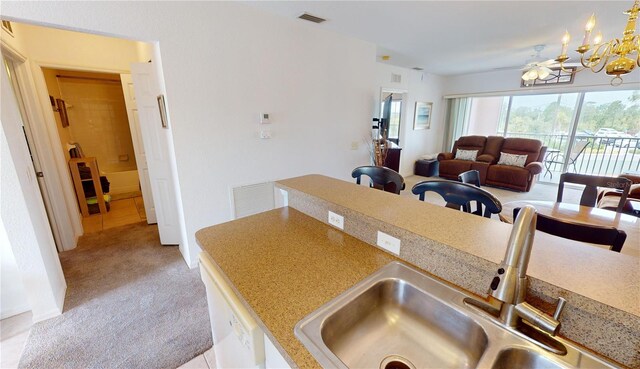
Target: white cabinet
{"x": 273, "y": 358}
{"x": 238, "y": 342}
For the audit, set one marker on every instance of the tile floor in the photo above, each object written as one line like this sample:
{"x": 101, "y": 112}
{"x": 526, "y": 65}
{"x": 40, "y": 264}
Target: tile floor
{"x": 203, "y": 361}
{"x": 123, "y": 212}
{"x": 13, "y": 335}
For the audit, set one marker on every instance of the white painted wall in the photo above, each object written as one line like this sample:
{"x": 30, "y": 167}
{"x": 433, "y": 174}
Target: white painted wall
{"x": 76, "y": 50}
{"x": 507, "y": 82}
{"x": 24, "y": 217}
{"x": 13, "y": 296}
{"x": 420, "y": 86}
{"x": 224, "y": 65}
{"x": 485, "y": 116}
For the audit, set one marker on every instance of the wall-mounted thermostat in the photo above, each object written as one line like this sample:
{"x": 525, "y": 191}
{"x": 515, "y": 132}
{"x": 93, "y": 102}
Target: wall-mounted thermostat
{"x": 264, "y": 118}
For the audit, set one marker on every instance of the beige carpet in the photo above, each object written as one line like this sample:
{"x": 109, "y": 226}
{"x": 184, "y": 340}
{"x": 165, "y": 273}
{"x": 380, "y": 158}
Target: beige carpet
{"x": 131, "y": 303}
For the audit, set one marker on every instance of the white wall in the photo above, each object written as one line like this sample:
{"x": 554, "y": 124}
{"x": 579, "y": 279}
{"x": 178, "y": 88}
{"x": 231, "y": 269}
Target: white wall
{"x": 13, "y": 296}
{"x": 419, "y": 86}
{"x": 485, "y": 116}
{"x": 223, "y": 66}
{"x": 507, "y": 82}
{"x": 24, "y": 217}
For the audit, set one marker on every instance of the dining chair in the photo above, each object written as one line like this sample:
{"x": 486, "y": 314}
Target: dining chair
{"x": 591, "y": 183}
{"x": 381, "y": 177}
{"x": 471, "y": 177}
{"x": 583, "y": 232}
{"x": 458, "y": 195}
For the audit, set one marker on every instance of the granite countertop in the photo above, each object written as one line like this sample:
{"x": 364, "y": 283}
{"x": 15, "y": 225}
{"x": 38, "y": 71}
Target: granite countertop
{"x": 598, "y": 274}
{"x": 283, "y": 265}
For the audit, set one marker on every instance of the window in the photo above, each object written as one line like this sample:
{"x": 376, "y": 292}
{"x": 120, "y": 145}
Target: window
{"x": 591, "y": 133}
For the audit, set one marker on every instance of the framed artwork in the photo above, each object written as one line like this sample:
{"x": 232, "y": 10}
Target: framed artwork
{"x": 422, "y": 117}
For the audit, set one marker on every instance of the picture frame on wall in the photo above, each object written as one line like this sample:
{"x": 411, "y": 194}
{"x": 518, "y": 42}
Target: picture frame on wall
{"x": 422, "y": 115}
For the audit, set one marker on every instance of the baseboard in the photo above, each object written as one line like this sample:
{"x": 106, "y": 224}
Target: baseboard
{"x": 59, "y": 295}
{"x": 47, "y": 315}
{"x": 14, "y": 311}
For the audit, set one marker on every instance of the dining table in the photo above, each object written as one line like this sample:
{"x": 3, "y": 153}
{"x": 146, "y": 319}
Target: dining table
{"x": 584, "y": 214}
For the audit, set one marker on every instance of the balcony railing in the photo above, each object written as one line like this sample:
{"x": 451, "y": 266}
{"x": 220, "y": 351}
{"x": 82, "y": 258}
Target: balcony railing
{"x": 604, "y": 155}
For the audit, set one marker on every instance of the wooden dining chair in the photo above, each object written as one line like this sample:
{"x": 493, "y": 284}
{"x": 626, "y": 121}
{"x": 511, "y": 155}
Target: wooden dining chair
{"x": 386, "y": 179}
{"x": 591, "y": 183}
{"x": 471, "y": 177}
{"x": 458, "y": 195}
{"x": 583, "y": 232}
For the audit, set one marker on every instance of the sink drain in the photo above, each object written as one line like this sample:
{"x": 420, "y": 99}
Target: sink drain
{"x": 396, "y": 362}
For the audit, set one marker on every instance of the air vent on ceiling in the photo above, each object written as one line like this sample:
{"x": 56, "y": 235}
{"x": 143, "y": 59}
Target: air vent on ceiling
{"x": 396, "y": 78}
{"x": 417, "y": 68}
{"x": 311, "y": 18}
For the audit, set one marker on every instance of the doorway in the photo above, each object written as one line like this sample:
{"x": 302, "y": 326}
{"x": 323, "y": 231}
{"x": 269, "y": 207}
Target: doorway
{"x": 93, "y": 127}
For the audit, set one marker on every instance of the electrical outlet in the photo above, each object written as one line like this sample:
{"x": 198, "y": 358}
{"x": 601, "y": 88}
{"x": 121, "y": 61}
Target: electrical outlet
{"x": 355, "y": 145}
{"x": 388, "y": 243}
{"x": 336, "y": 220}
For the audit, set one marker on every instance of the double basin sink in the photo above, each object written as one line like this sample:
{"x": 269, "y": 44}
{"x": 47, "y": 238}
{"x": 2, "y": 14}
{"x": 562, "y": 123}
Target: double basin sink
{"x": 400, "y": 318}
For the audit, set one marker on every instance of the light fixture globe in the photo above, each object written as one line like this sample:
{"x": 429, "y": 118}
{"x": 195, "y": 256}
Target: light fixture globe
{"x": 620, "y": 66}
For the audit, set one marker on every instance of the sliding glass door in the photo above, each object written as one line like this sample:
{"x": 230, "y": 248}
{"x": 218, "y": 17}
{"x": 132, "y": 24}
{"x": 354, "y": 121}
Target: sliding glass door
{"x": 591, "y": 133}
{"x": 608, "y": 133}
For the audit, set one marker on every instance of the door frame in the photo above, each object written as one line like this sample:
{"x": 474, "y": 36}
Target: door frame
{"x": 43, "y": 96}
{"x": 66, "y": 226}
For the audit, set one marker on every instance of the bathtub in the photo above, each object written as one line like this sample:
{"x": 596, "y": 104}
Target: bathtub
{"x": 123, "y": 182}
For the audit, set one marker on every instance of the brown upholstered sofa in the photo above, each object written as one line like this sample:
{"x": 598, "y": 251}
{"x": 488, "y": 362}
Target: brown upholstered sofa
{"x": 489, "y": 149}
{"x": 610, "y": 198}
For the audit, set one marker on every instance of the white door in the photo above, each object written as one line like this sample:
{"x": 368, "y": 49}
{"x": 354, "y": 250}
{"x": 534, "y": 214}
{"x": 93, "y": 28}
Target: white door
{"x": 11, "y": 71}
{"x": 138, "y": 147}
{"x": 156, "y": 138}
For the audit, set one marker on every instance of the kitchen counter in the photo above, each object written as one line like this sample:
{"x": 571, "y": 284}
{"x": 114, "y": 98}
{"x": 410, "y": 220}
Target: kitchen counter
{"x": 284, "y": 265}
{"x": 598, "y": 274}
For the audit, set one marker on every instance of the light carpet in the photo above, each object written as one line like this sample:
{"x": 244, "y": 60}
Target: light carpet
{"x": 131, "y": 303}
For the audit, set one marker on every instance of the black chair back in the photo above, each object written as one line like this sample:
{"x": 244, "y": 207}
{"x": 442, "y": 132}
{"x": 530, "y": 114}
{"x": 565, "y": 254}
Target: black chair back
{"x": 387, "y": 179}
{"x": 582, "y": 232}
{"x": 591, "y": 183}
{"x": 471, "y": 177}
{"x": 458, "y": 195}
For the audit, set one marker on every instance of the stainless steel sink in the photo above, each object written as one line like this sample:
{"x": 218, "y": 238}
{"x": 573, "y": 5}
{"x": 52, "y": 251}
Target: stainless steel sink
{"x": 399, "y": 317}
{"x": 519, "y": 358}
{"x": 394, "y": 318}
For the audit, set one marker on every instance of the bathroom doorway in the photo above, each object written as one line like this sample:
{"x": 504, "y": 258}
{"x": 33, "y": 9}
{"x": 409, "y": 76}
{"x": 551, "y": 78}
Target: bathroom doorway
{"x": 93, "y": 123}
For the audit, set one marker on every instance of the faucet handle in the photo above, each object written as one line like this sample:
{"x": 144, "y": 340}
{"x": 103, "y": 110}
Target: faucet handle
{"x": 559, "y": 308}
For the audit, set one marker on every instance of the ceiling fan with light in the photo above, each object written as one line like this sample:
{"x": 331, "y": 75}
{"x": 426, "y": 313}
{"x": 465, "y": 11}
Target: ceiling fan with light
{"x": 537, "y": 68}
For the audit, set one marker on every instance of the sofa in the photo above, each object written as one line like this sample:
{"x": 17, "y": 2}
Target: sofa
{"x": 489, "y": 150}
{"x": 610, "y": 198}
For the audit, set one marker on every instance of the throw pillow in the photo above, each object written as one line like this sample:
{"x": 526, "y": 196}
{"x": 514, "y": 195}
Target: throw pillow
{"x": 466, "y": 154}
{"x": 513, "y": 160}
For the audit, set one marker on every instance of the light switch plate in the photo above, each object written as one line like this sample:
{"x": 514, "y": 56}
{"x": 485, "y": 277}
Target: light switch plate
{"x": 388, "y": 243}
{"x": 336, "y": 220}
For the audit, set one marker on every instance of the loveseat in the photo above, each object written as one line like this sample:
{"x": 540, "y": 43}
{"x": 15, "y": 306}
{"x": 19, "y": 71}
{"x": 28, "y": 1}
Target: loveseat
{"x": 521, "y": 160}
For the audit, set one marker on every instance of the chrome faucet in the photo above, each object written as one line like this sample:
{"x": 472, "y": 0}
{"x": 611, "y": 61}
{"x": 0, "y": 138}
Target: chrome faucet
{"x": 509, "y": 286}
